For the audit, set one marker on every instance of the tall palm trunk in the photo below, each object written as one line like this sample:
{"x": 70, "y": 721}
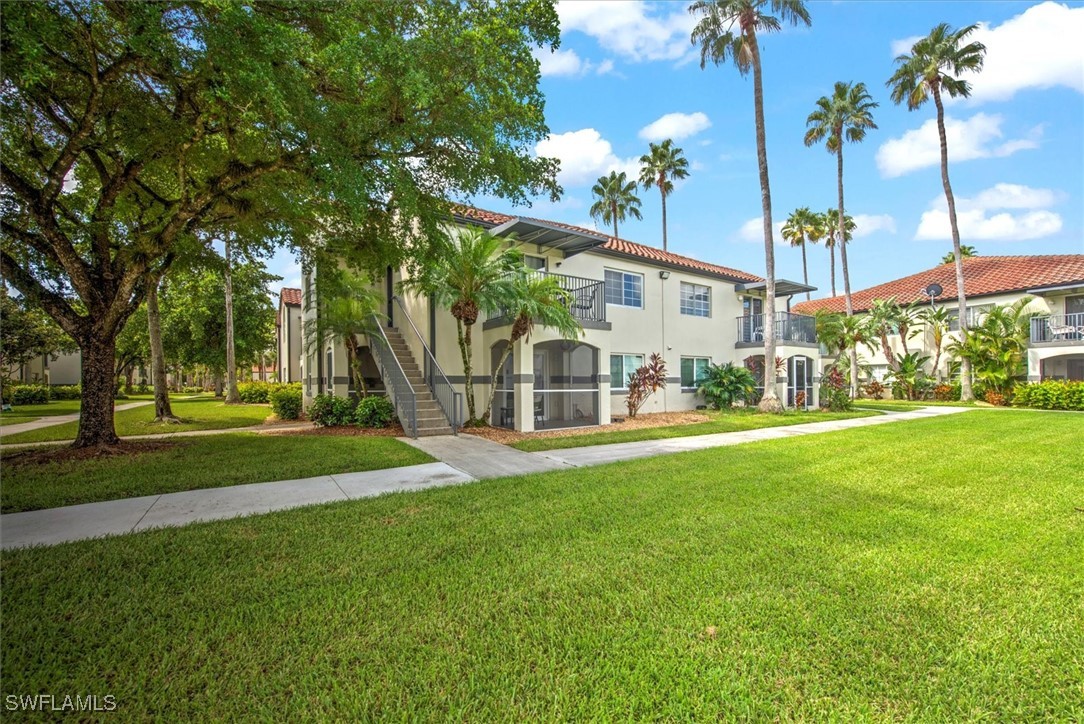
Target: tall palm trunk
{"x": 832, "y": 262}
{"x": 162, "y": 410}
{"x": 805, "y": 269}
{"x": 613, "y": 211}
{"x": 463, "y": 332}
{"x": 770, "y": 401}
{"x": 353, "y": 351}
{"x": 233, "y": 397}
{"x": 496, "y": 373}
{"x": 843, "y": 260}
{"x": 965, "y": 364}
{"x": 662, "y": 191}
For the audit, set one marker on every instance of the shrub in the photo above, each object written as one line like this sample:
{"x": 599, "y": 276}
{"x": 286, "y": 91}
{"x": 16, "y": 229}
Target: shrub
{"x": 65, "y": 392}
{"x": 644, "y": 382}
{"x": 28, "y": 394}
{"x": 995, "y": 398}
{"x": 374, "y": 411}
{"x": 873, "y": 389}
{"x": 723, "y": 385}
{"x": 834, "y": 393}
{"x": 192, "y": 390}
{"x": 143, "y": 389}
{"x": 945, "y": 392}
{"x": 254, "y": 393}
{"x": 286, "y": 402}
{"x": 330, "y": 411}
{"x": 1050, "y": 395}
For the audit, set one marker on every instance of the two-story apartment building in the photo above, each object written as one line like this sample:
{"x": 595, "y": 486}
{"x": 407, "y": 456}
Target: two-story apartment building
{"x": 288, "y": 335}
{"x": 1055, "y": 283}
{"x": 632, "y": 300}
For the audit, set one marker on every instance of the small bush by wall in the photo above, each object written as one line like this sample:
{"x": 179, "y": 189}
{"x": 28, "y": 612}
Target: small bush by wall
{"x": 330, "y": 411}
{"x": 26, "y": 394}
{"x": 374, "y": 412}
{"x": 286, "y": 402}
{"x": 1050, "y": 395}
{"x": 65, "y": 392}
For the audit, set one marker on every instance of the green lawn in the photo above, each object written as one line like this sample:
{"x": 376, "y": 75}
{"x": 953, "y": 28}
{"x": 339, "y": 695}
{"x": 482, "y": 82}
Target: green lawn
{"x": 730, "y": 421}
{"x": 926, "y": 570}
{"x": 198, "y": 413}
{"x": 26, "y": 413}
{"x": 198, "y": 462}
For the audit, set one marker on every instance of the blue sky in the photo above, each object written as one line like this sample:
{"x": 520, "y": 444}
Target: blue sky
{"x": 625, "y": 74}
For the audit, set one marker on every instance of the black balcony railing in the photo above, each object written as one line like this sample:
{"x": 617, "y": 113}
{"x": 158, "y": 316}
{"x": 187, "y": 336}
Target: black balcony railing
{"x": 587, "y": 297}
{"x": 1058, "y": 328}
{"x": 788, "y": 328}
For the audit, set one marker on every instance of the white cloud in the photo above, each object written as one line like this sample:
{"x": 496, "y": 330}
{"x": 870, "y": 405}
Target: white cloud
{"x": 977, "y": 223}
{"x": 753, "y": 230}
{"x": 1040, "y": 48}
{"x": 676, "y": 126}
{"x": 903, "y": 45}
{"x": 585, "y": 155}
{"x": 976, "y": 137}
{"x": 569, "y": 63}
{"x": 630, "y": 29}
{"x": 866, "y": 224}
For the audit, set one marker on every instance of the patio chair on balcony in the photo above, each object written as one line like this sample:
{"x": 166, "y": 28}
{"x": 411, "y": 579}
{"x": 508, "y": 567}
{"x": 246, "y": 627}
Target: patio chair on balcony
{"x": 585, "y": 303}
{"x": 1061, "y": 330}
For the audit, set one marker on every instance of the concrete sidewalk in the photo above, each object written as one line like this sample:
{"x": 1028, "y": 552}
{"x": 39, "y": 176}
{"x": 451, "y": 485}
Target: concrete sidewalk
{"x": 462, "y": 458}
{"x": 60, "y": 419}
{"x": 261, "y": 429}
{"x": 113, "y": 517}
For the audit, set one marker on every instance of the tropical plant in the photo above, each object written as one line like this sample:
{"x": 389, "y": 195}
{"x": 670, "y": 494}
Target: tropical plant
{"x": 996, "y": 347}
{"x": 375, "y": 411}
{"x": 615, "y": 198}
{"x": 728, "y": 29}
{"x": 937, "y": 321}
{"x": 332, "y": 411}
{"x": 535, "y": 299}
{"x": 934, "y": 66}
{"x": 908, "y": 374}
{"x": 723, "y": 385}
{"x": 840, "y": 334}
{"x": 663, "y": 163}
{"x": 965, "y": 250}
{"x": 843, "y": 117}
{"x": 343, "y": 311}
{"x": 884, "y": 319}
{"x": 644, "y": 382}
{"x": 801, "y": 229}
{"x": 469, "y": 274}
{"x": 832, "y": 238}
{"x": 834, "y": 394}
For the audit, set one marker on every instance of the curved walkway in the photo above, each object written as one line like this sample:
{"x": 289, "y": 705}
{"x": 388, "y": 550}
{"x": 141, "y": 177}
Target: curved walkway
{"x": 463, "y": 459}
{"x": 60, "y": 419}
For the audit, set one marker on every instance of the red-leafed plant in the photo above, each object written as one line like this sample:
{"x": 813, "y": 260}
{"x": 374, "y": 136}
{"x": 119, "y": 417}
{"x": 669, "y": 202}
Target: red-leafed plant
{"x": 644, "y": 382}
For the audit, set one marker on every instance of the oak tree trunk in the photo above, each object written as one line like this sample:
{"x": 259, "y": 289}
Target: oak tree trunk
{"x": 770, "y": 401}
{"x": 233, "y": 397}
{"x": 965, "y": 364}
{"x": 162, "y": 410}
{"x": 96, "y": 427}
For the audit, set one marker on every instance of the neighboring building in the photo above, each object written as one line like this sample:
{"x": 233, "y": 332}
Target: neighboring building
{"x": 631, "y": 299}
{"x": 63, "y": 369}
{"x": 288, "y": 334}
{"x": 1055, "y": 282}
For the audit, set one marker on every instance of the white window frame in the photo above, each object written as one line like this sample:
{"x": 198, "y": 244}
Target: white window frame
{"x": 707, "y": 362}
{"x": 622, "y": 384}
{"x": 545, "y": 262}
{"x": 606, "y": 285}
{"x": 692, "y": 310}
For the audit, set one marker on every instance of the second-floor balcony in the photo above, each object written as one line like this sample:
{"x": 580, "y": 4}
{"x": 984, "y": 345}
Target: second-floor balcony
{"x": 587, "y": 298}
{"x": 1058, "y": 329}
{"x": 798, "y": 328}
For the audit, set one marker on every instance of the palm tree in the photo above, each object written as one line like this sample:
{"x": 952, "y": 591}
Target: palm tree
{"x": 800, "y": 229}
{"x": 832, "y": 239}
{"x": 846, "y": 116}
{"x": 346, "y": 313}
{"x": 728, "y": 29}
{"x": 471, "y": 274}
{"x": 933, "y": 67}
{"x": 966, "y": 252}
{"x": 615, "y": 198}
{"x": 537, "y": 299}
{"x": 663, "y": 163}
{"x": 937, "y": 320}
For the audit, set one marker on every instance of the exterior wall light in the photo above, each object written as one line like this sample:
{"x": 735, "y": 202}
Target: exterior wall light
{"x": 664, "y": 275}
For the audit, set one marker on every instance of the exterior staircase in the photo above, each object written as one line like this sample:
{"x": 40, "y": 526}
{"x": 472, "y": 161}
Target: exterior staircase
{"x": 431, "y": 418}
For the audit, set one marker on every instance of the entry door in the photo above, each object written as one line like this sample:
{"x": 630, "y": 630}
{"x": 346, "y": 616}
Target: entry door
{"x": 800, "y": 379}
{"x": 541, "y": 382}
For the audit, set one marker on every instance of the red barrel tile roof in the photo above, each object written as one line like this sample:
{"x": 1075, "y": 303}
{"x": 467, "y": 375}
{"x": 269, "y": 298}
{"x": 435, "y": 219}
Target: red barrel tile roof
{"x": 613, "y": 243}
{"x": 291, "y": 296}
{"x": 983, "y": 276}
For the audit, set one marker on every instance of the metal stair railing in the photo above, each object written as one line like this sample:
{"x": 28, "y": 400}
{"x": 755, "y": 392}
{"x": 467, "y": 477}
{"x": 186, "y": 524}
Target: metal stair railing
{"x": 403, "y": 394}
{"x": 450, "y": 401}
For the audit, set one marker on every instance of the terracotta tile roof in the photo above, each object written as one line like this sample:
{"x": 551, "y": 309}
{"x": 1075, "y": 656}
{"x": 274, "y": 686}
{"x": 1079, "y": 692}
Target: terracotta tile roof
{"x": 983, "y": 276}
{"x": 290, "y": 296}
{"x": 614, "y": 244}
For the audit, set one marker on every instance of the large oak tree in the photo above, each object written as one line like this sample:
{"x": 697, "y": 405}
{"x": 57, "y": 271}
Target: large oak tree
{"x": 127, "y": 127}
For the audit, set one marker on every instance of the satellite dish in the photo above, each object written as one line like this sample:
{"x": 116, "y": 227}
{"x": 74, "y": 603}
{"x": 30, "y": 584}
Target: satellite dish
{"x": 934, "y": 290}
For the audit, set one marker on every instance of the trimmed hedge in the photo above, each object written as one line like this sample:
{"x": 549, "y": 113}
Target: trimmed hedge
{"x": 65, "y": 392}
{"x": 286, "y": 402}
{"x": 1050, "y": 395}
{"x": 26, "y": 394}
{"x": 374, "y": 412}
{"x": 259, "y": 393}
{"x": 332, "y": 411}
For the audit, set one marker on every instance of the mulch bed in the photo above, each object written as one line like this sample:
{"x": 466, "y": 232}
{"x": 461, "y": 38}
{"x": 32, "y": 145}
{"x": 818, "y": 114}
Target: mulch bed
{"x": 66, "y": 454}
{"x": 655, "y": 419}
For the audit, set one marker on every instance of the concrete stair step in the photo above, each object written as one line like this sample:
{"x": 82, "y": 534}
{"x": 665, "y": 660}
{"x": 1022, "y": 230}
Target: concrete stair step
{"x": 431, "y": 431}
